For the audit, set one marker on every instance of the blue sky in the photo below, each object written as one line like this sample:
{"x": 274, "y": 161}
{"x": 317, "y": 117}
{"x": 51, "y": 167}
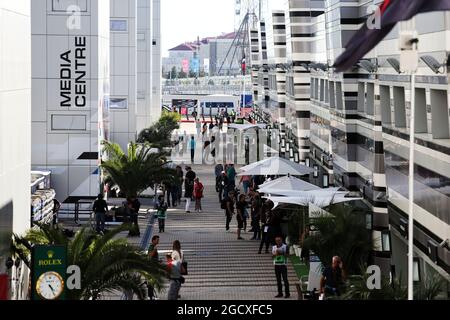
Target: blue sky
{"x": 184, "y": 20}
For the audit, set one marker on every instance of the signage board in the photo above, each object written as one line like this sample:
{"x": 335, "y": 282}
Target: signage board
{"x": 49, "y": 265}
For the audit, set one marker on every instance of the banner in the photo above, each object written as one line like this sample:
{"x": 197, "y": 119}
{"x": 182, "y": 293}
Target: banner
{"x": 185, "y": 65}
{"x": 195, "y": 65}
{"x": 206, "y": 65}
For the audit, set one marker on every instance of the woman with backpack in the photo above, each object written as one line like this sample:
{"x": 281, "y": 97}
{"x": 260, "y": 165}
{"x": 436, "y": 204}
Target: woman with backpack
{"x": 198, "y": 194}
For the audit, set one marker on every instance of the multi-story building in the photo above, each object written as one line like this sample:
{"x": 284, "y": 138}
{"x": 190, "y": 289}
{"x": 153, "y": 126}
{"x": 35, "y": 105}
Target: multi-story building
{"x": 70, "y": 92}
{"x": 156, "y": 105}
{"x": 123, "y": 103}
{"x": 359, "y": 124}
{"x": 15, "y": 138}
{"x": 276, "y": 55}
{"x": 179, "y": 55}
{"x": 219, "y": 47}
{"x": 144, "y": 63}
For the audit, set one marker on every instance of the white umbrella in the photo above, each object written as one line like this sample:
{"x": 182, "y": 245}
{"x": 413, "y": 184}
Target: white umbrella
{"x": 245, "y": 127}
{"x": 288, "y": 183}
{"x": 320, "y": 201}
{"x": 300, "y": 193}
{"x": 275, "y": 166}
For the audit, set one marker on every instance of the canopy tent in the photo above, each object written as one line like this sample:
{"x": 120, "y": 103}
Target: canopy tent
{"x": 320, "y": 201}
{"x": 275, "y": 166}
{"x": 245, "y": 127}
{"x": 300, "y": 193}
{"x": 288, "y": 183}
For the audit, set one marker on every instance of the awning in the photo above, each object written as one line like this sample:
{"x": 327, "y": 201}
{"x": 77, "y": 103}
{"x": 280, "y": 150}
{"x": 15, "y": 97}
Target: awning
{"x": 275, "y": 166}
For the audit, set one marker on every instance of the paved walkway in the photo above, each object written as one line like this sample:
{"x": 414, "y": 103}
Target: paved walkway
{"x": 220, "y": 266}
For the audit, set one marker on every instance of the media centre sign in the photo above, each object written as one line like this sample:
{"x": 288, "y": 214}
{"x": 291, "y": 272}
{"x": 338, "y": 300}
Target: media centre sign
{"x": 73, "y": 74}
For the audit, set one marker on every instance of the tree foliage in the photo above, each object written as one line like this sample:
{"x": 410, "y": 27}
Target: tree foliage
{"x": 136, "y": 171}
{"x": 107, "y": 263}
{"x": 160, "y": 134}
{"x": 343, "y": 234}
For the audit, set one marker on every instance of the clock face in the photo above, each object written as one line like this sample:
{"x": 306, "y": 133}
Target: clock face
{"x": 50, "y": 286}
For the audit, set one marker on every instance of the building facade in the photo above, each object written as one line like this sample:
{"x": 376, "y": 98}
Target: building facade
{"x": 70, "y": 92}
{"x": 156, "y": 105}
{"x": 353, "y": 127}
{"x": 123, "y": 103}
{"x": 15, "y": 137}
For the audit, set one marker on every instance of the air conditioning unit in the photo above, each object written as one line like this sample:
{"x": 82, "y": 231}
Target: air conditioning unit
{"x": 433, "y": 250}
{"x": 403, "y": 225}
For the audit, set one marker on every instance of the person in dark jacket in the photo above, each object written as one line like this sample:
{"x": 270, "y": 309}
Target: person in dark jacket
{"x": 100, "y": 209}
{"x": 134, "y": 206}
{"x": 189, "y": 187}
{"x": 267, "y": 226}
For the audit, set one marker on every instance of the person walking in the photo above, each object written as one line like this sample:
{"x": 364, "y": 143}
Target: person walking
{"x": 218, "y": 172}
{"x": 174, "y": 269}
{"x": 229, "y": 209}
{"x": 240, "y": 212}
{"x": 161, "y": 211}
{"x": 223, "y": 186}
{"x": 280, "y": 254}
{"x": 134, "y": 206}
{"x": 221, "y": 122}
{"x": 245, "y": 181}
{"x": 55, "y": 211}
{"x": 100, "y": 209}
{"x": 266, "y": 227}
{"x": 231, "y": 174}
{"x": 233, "y": 116}
{"x": 178, "y": 255}
{"x": 189, "y": 187}
{"x": 256, "y": 215}
{"x": 168, "y": 191}
{"x": 154, "y": 256}
{"x": 198, "y": 195}
{"x": 192, "y": 146}
{"x": 179, "y": 182}
{"x": 198, "y": 126}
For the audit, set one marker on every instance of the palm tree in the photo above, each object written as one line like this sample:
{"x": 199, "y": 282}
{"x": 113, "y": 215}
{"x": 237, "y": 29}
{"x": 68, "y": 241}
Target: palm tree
{"x": 107, "y": 263}
{"x": 357, "y": 289}
{"x": 136, "y": 171}
{"x": 343, "y": 234}
{"x": 428, "y": 289}
{"x": 159, "y": 135}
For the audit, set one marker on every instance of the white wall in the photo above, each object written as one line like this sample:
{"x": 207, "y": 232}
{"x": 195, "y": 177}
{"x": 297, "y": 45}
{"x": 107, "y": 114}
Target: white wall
{"x": 144, "y": 63}
{"x": 15, "y": 109}
{"x": 157, "y": 63}
{"x": 123, "y": 71}
{"x": 63, "y": 135}
{"x": 15, "y": 119}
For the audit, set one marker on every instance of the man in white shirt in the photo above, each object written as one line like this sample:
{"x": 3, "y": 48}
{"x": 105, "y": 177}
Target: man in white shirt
{"x": 279, "y": 253}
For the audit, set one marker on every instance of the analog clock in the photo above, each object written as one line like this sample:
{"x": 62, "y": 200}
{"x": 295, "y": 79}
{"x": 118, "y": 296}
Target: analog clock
{"x": 50, "y": 286}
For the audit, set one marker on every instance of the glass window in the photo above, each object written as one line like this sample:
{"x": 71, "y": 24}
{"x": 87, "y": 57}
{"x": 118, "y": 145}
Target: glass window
{"x": 119, "y": 25}
{"x": 118, "y": 104}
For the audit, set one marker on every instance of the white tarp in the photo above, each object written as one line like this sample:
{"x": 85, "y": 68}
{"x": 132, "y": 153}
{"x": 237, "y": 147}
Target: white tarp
{"x": 320, "y": 201}
{"x": 245, "y": 127}
{"x": 289, "y": 183}
{"x": 275, "y": 166}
